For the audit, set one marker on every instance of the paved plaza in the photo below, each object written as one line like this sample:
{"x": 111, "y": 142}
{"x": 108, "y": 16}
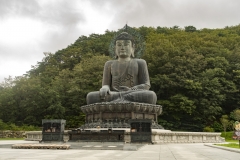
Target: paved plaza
{"x": 109, "y": 151}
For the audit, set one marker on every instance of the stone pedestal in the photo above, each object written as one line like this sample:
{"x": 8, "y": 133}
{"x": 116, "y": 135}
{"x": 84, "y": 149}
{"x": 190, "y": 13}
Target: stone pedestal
{"x": 117, "y": 115}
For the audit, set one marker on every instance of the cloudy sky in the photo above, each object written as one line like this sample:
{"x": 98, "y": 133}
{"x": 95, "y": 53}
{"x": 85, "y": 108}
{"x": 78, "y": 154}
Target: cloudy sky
{"x": 30, "y": 27}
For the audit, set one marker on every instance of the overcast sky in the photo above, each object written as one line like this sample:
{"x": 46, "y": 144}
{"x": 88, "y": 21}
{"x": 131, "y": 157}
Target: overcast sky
{"x": 30, "y": 27}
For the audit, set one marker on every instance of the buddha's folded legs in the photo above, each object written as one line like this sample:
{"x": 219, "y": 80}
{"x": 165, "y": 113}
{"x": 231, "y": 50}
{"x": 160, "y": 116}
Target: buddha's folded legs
{"x": 142, "y": 96}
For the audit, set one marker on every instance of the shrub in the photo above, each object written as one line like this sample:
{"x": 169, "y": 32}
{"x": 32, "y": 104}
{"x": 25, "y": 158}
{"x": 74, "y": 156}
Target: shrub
{"x": 208, "y": 129}
{"x": 3, "y": 126}
{"x": 227, "y": 135}
{"x": 29, "y": 128}
{"x": 217, "y": 127}
{"x": 13, "y": 127}
{"x": 230, "y": 126}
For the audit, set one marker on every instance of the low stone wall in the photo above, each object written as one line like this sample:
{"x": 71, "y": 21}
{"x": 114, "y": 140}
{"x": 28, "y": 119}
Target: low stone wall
{"x": 37, "y": 136}
{"x": 158, "y": 136}
{"x": 186, "y": 137}
{"x": 12, "y": 134}
{"x": 33, "y": 136}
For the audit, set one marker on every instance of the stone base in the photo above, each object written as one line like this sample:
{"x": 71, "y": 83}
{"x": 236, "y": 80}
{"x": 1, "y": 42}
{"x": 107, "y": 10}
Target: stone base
{"x": 115, "y": 125}
{"x": 117, "y": 115}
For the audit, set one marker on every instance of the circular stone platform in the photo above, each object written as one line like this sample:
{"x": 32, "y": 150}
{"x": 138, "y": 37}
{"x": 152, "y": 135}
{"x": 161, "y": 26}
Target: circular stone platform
{"x": 117, "y": 115}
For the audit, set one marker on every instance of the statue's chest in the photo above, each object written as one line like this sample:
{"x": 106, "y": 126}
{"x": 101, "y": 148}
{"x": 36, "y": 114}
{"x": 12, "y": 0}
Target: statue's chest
{"x": 124, "y": 74}
{"x": 123, "y": 69}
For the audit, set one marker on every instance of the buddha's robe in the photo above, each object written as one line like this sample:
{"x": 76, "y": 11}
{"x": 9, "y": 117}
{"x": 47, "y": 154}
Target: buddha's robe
{"x": 133, "y": 74}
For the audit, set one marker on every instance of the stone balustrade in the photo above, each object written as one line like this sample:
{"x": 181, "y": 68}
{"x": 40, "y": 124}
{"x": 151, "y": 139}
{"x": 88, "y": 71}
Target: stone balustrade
{"x": 186, "y": 137}
{"x": 37, "y": 136}
{"x": 158, "y": 136}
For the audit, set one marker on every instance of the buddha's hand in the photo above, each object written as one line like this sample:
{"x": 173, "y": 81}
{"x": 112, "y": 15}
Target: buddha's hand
{"x": 104, "y": 91}
{"x": 124, "y": 88}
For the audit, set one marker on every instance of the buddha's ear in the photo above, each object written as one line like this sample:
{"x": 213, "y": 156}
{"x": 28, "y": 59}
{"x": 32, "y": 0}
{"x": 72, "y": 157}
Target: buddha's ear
{"x": 115, "y": 56}
{"x": 133, "y": 49}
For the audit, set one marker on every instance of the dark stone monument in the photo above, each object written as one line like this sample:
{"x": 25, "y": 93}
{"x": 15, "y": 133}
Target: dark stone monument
{"x": 53, "y": 130}
{"x": 141, "y": 130}
{"x": 125, "y": 93}
{"x": 125, "y": 90}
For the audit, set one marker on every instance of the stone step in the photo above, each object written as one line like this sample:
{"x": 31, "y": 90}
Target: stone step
{"x": 41, "y": 146}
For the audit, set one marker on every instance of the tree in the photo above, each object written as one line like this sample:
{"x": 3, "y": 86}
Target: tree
{"x": 236, "y": 114}
{"x": 195, "y": 74}
{"x": 224, "y": 120}
{"x": 190, "y": 29}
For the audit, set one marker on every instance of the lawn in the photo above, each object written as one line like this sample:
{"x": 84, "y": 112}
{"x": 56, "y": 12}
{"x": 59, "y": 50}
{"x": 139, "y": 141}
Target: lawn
{"x": 231, "y": 142}
{"x": 230, "y": 145}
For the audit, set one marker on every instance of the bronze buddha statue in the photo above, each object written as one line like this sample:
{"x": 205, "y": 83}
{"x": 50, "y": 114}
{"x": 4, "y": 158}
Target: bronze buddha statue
{"x": 125, "y": 79}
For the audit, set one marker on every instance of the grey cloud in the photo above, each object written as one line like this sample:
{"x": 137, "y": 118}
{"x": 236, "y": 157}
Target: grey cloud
{"x": 143, "y": 13}
{"x": 59, "y": 39}
{"x": 18, "y": 8}
{"x": 63, "y": 13}
{"x": 20, "y": 53}
{"x": 205, "y": 14}
{"x": 202, "y": 14}
{"x": 67, "y": 16}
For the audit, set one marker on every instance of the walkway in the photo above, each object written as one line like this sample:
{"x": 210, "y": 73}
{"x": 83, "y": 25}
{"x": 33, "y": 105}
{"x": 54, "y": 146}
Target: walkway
{"x": 196, "y": 151}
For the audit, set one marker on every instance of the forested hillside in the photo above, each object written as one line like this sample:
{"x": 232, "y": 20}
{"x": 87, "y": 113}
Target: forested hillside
{"x": 195, "y": 74}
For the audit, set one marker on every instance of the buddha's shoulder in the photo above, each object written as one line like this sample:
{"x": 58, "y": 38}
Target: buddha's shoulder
{"x": 140, "y": 61}
{"x": 109, "y": 62}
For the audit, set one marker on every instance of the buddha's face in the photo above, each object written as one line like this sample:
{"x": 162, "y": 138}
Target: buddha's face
{"x": 124, "y": 48}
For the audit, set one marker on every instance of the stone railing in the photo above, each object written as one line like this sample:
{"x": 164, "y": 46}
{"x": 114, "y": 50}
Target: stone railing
{"x": 12, "y": 134}
{"x": 158, "y": 136}
{"x": 186, "y": 137}
{"x": 33, "y": 136}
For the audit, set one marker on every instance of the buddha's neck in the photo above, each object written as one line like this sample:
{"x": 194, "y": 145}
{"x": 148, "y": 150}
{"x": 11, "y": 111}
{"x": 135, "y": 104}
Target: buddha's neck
{"x": 124, "y": 59}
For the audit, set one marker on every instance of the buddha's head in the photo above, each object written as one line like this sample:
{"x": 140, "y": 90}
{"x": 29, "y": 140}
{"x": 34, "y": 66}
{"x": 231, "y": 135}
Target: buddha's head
{"x": 124, "y": 45}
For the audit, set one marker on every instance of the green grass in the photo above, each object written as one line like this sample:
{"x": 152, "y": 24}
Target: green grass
{"x": 11, "y": 139}
{"x": 231, "y": 141}
{"x": 230, "y": 145}
{"x": 227, "y": 135}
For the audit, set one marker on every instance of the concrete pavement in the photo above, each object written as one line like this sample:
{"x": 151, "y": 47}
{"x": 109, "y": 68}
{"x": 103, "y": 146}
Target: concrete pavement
{"x": 196, "y": 151}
